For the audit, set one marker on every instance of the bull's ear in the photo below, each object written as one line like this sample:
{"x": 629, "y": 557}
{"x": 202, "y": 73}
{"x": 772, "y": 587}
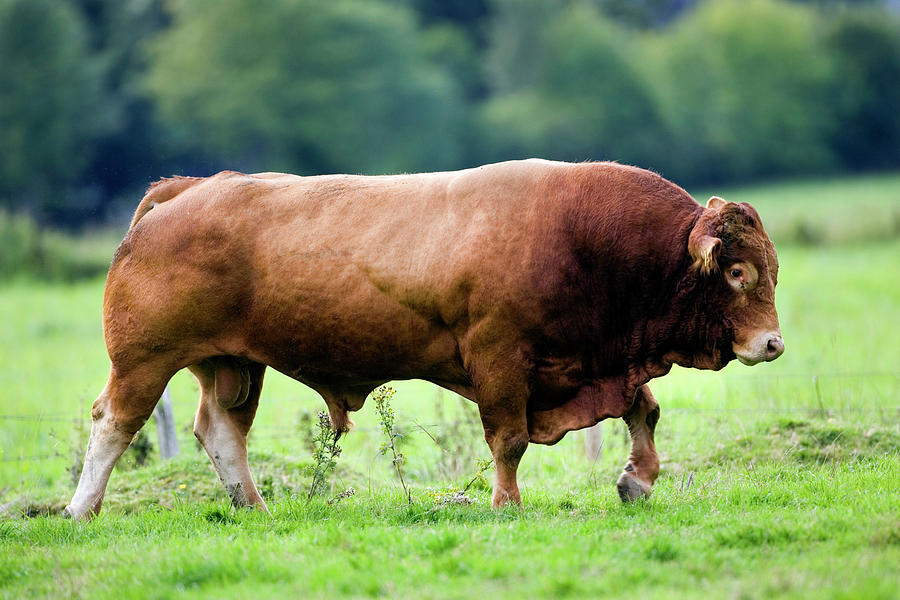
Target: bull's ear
{"x": 715, "y": 203}
{"x": 704, "y": 249}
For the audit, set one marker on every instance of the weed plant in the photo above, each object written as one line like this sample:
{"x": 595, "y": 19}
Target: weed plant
{"x": 382, "y": 398}
{"x": 326, "y": 451}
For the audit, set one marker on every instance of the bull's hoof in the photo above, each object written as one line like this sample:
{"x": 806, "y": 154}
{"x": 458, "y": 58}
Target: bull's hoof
{"x": 502, "y": 498}
{"x": 631, "y": 488}
{"x": 71, "y": 513}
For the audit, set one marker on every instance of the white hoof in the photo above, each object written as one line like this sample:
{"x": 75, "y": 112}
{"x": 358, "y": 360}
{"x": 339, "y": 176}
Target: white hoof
{"x": 631, "y": 488}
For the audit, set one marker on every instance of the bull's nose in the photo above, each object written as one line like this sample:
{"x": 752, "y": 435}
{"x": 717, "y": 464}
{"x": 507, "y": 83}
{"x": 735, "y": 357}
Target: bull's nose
{"x": 774, "y": 347}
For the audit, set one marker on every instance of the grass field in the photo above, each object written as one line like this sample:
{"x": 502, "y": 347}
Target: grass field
{"x": 781, "y": 480}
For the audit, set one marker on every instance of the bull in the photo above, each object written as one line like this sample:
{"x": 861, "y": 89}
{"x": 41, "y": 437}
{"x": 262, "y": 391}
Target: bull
{"x": 547, "y": 293}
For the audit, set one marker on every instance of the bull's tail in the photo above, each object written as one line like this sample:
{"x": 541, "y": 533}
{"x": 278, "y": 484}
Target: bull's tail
{"x": 161, "y": 191}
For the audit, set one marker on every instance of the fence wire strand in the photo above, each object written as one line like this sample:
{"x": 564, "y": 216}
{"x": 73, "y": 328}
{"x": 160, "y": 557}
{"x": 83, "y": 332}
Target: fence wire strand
{"x": 285, "y": 432}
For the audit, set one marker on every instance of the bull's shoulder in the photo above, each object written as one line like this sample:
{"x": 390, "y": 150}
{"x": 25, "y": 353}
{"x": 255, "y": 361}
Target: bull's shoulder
{"x": 567, "y": 181}
{"x": 637, "y": 183}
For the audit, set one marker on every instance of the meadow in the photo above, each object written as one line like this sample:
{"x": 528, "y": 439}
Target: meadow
{"x": 781, "y": 480}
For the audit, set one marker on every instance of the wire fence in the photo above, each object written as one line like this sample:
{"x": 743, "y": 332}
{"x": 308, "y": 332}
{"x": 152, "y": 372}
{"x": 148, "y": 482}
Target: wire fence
{"x": 40, "y": 417}
{"x": 30, "y": 458}
{"x": 266, "y": 432}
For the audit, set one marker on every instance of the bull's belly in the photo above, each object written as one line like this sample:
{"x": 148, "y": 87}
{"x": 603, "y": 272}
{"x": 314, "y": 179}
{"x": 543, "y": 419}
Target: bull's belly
{"x": 591, "y": 403}
{"x": 337, "y": 341}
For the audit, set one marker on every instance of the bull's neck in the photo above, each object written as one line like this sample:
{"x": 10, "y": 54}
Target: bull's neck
{"x": 647, "y": 304}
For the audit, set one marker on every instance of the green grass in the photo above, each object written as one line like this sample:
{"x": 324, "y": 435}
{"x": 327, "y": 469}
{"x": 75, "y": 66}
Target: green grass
{"x": 823, "y": 212}
{"x": 778, "y": 481}
{"x": 773, "y": 530}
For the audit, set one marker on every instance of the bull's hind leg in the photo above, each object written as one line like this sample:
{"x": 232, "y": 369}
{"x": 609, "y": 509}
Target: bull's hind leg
{"x": 229, "y": 396}
{"x": 120, "y": 411}
{"x": 642, "y": 467}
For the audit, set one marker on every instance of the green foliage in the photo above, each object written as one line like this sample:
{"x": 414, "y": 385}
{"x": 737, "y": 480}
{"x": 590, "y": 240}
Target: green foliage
{"x": 325, "y": 453}
{"x": 29, "y": 251}
{"x": 50, "y": 89}
{"x": 514, "y": 55}
{"x": 382, "y": 398}
{"x": 305, "y": 86}
{"x": 586, "y": 98}
{"x": 742, "y": 85}
{"x": 642, "y": 13}
{"x": 137, "y": 149}
{"x": 479, "y": 481}
{"x": 21, "y": 242}
{"x": 865, "y": 47}
{"x": 451, "y": 49}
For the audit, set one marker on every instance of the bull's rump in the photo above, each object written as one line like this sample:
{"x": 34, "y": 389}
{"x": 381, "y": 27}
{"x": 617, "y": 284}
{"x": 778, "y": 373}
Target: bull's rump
{"x": 334, "y": 276}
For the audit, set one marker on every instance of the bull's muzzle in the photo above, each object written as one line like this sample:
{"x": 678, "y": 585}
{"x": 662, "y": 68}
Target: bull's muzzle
{"x": 763, "y": 347}
{"x": 774, "y": 347}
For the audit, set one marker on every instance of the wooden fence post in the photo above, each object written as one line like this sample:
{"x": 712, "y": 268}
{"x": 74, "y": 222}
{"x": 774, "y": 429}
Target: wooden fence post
{"x": 593, "y": 442}
{"x": 165, "y": 426}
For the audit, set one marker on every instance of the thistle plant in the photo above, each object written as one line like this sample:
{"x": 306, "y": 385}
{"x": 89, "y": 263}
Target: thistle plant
{"x": 345, "y": 494}
{"x": 458, "y": 496}
{"x": 481, "y": 465}
{"x": 382, "y": 397}
{"x": 325, "y": 453}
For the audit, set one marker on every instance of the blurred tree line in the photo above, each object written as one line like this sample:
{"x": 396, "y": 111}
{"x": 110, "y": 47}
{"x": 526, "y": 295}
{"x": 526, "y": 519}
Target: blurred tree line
{"x": 100, "y": 97}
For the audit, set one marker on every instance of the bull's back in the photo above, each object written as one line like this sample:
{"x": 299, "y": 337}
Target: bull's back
{"x": 341, "y": 276}
{"x": 345, "y": 278}
{"x": 306, "y": 274}
{"x": 380, "y": 275}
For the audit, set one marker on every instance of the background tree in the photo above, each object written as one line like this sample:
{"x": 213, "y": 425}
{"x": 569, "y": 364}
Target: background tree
{"x": 137, "y": 149}
{"x": 514, "y": 51}
{"x": 100, "y": 97}
{"x": 865, "y": 47}
{"x": 305, "y": 86}
{"x": 587, "y": 100}
{"x": 644, "y": 13}
{"x": 743, "y": 85}
{"x": 51, "y": 113}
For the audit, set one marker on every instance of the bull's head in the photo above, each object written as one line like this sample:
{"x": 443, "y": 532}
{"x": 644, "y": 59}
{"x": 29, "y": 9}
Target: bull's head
{"x": 735, "y": 256}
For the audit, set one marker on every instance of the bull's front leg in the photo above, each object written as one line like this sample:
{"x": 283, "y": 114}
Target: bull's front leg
{"x": 501, "y": 392}
{"x": 506, "y": 432}
{"x": 642, "y": 467}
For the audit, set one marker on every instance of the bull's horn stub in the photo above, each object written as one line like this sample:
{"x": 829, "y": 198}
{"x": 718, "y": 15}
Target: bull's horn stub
{"x": 715, "y": 203}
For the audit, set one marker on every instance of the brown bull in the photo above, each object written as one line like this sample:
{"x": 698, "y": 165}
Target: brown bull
{"x": 548, "y": 293}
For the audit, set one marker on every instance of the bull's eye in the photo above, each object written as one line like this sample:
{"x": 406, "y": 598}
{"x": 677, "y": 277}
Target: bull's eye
{"x": 741, "y": 276}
